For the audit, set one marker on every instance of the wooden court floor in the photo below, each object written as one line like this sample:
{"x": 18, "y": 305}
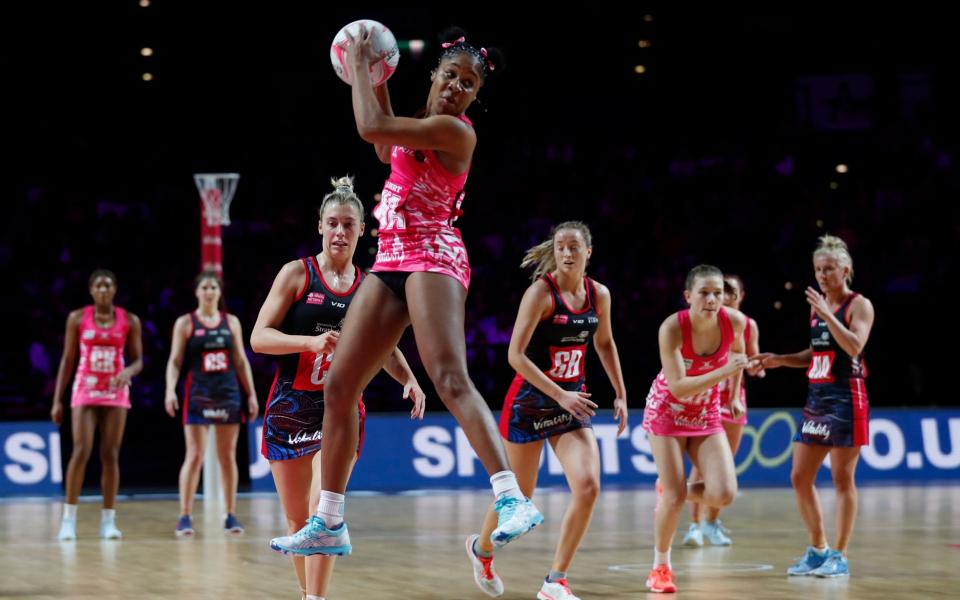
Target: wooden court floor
{"x": 907, "y": 545}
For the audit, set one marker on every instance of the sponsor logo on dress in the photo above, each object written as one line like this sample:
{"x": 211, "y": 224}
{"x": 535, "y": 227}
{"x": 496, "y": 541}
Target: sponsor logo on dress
{"x": 817, "y": 429}
{"x": 216, "y": 413}
{"x": 552, "y": 422}
{"x": 303, "y": 437}
{"x": 698, "y": 421}
{"x": 315, "y": 298}
{"x": 560, "y": 319}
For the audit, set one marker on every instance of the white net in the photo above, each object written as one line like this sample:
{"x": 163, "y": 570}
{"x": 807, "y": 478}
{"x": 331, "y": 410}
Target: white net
{"x": 216, "y": 193}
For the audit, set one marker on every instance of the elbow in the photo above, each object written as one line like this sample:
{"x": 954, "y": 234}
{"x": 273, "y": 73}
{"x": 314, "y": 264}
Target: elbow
{"x": 675, "y": 389}
{"x": 256, "y": 341}
{"x": 368, "y": 132}
{"x": 514, "y": 359}
{"x": 365, "y": 133}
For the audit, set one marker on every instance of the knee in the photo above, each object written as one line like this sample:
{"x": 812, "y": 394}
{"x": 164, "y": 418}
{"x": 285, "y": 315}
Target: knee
{"x": 586, "y": 489}
{"x": 451, "y": 383}
{"x": 335, "y": 394}
{"x": 81, "y": 452}
{"x": 193, "y": 460}
{"x": 723, "y": 494}
{"x": 673, "y": 499}
{"x": 801, "y": 480}
{"x": 109, "y": 455}
{"x": 844, "y": 483}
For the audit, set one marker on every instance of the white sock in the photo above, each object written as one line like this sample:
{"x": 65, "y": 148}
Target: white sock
{"x": 661, "y": 558}
{"x": 822, "y": 551}
{"x": 505, "y": 485}
{"x": 331, "y": 508}
{"x": 70, "y": 511}
{"x": 108, "y": 514}
{"x": 310, "y": 597}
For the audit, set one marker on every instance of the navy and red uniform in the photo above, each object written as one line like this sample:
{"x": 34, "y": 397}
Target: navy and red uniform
{"x": 211, "y": 390}
{"x": 293, "y": 418}
{"x": 558, "y": 347}
{"x": 837, "y": 412}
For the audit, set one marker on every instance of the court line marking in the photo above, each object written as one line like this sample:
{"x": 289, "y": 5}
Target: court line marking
{"x": 696, "y": 568}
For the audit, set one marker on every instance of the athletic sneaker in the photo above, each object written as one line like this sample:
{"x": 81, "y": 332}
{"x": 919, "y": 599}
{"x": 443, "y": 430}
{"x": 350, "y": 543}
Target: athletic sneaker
{"x": 514, "y": 518}
{"x": 68, "y": 530}
{"x": 808, "y": 562}
{"x": 109, "y": 531}
{"x": 660, "y": 580}
{"x": 555, "y": 590}
{"x": 694, "y": 536}
{"x": 184, "y": 526}
{"x": 484, "y": 575}
{"x": 834, "y": 566}
{"x": 315, "y": 538}
{"x": 232, "y": 524}
{"x": 716, "y": 533}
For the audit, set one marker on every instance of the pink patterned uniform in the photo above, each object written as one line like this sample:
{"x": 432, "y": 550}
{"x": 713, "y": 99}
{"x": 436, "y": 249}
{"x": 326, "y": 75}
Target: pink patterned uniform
{"x": 101, "y": 357}
{"x": 725, "y": 415}
{"x": 418, "y": 205}
{"x": 699, "y": 414}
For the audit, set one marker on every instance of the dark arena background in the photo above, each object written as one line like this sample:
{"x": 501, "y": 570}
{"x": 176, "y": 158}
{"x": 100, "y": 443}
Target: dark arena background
{"x": 714, "y": 136}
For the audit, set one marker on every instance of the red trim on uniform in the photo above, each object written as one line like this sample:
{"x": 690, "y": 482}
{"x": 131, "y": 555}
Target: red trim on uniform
{"x": 746, "y": 334}
{"x": 323, "y": 282}
{"x": 508, "y": 405}
{"x": 686, "y": 328}
{"x": 306, "y": 280}
{"x": 553, "y": 301}
{"x": 266, "y": 409}
{"x": 846, "y": 311}
{"x": 586, "y": 307}
{"x": 223, "y": 317}
{"x": 192, "y": 328}
{"x": 592, "y": 294}
{"x": 186, "y": 395}
{"x": 861, "y": 412}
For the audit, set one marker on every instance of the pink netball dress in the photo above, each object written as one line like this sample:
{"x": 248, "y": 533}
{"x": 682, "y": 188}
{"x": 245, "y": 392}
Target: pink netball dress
{"x": 667, "y": 415}
{"x": 101, "y": 357}
{"x": 418, "y": 206}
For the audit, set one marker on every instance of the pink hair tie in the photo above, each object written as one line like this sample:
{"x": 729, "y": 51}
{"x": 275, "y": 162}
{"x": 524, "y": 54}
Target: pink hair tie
{"x": 490, "y": 64}
{"x": 459, "y": 40}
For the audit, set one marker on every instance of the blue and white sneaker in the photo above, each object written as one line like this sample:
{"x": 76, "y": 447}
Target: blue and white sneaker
{"x": 315, "y": 538}
{"x": 514, "y": 518}
{"x": 834, "y": 566}
{"x": 694, "y": 536}
{"x": 68, "y": 530}
{"x": 808, "y": 562}
{"x": 716, "y": 533}
{"x": 232, "y": 524}
{"x": 109, "y": 531}
{"x": 184, "y": 526}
